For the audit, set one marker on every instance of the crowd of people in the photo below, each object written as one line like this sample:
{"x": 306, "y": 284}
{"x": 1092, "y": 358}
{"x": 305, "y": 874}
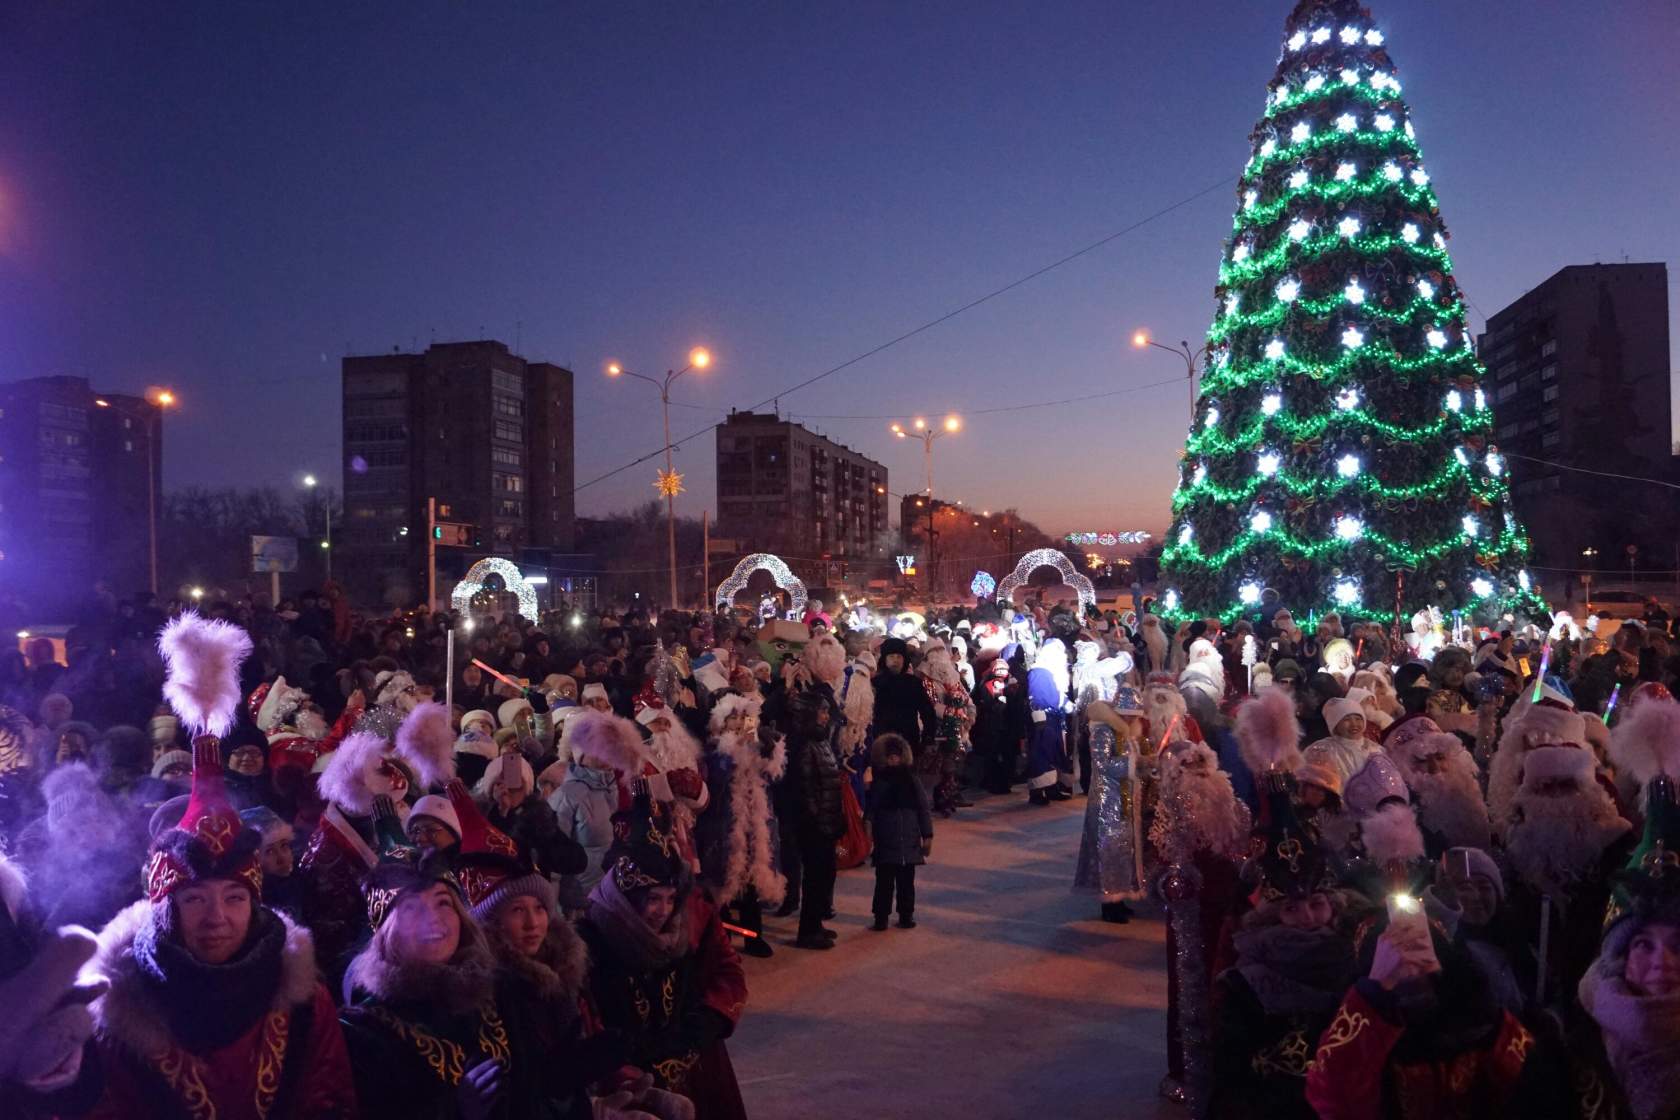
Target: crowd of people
{"x": 486, "y": 866}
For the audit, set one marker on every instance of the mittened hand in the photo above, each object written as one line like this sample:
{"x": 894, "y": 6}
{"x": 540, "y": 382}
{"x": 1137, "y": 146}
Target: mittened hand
{"x": 684, "y": 783}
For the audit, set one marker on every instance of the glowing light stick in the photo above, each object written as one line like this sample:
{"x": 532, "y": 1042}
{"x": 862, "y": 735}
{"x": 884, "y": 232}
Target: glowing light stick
{"x": 739, "y": 930}
{"x": 1615, "y": 694}
{"x": 1167, "y": 734}
{"x": 509, "y": 681}
{"x": 1540, "y": 677}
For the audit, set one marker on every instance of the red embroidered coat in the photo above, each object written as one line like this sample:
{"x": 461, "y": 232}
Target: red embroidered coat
{"x": 1354, "y": 1077}
{"x": 290, "y": 1063}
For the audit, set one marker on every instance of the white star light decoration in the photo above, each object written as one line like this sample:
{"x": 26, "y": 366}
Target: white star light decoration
{"x": 1348, "y": 226}
{"x": 1346, "y": 592}
{"x": 1352, "y": 339}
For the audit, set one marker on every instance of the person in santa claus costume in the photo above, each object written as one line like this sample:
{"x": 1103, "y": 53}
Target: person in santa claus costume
{"x": 671, "y": 771}
{"x": 1565, "y": 839}
{"x": 215, "y": 1007}
{"x": 1200, "y": 832}
{"x": 738, "y": 833}
{"x": 298, "y": 733}
{"x": 1445, "y": 784}
{"x": 1047, "y": 697}
{"x": 955, "y": 711}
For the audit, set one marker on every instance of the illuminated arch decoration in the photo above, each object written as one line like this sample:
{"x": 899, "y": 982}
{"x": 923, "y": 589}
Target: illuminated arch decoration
{"x": 779, "y": 571}
{"x": 983, "y": 585}
{"x": 512, "y": 578}
{"x": 1047, "y": 558}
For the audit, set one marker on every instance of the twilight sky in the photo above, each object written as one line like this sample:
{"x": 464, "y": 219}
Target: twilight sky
{"x": 227, "y": 198}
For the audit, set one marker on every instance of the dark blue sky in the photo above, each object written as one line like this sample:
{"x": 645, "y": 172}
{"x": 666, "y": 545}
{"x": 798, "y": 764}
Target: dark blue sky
{"x": 225, "y": 196}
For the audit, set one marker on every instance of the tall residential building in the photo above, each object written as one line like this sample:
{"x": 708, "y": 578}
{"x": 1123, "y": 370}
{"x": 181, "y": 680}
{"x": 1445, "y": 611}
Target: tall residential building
{"x": 1579, "y": 376}
{"x": 784, "y": 489}
{"x": 76, "y": 470}
{"x": 483, "y": 432}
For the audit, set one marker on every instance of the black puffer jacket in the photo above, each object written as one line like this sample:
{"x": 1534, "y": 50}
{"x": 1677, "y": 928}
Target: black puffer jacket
{"x": 814, "y": 774}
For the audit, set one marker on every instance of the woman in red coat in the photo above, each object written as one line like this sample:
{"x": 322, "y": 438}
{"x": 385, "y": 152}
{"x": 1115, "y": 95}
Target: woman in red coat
{"x": 661, "y": 969}
{"x": 215, "y": 1008}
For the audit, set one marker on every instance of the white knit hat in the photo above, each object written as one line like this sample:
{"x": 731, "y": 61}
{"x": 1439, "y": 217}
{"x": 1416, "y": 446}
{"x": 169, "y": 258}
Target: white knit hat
{"x": 439, "y": 809}
{"x": 1339, "y": 708}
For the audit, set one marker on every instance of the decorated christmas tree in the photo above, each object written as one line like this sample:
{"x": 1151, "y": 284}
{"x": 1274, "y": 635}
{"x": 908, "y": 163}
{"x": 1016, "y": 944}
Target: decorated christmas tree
{"x": 1341, "y": 439}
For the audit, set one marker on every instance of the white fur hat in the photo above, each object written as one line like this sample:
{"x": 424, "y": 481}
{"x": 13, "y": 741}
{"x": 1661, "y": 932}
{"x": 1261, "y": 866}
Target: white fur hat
{"x": 1548, "y": 764}
{"x": 510, "y": 709}
{"x": 479, "y": 715}
{"x": 592, "y": 690}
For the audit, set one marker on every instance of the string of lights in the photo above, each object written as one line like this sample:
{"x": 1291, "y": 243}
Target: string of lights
{"x": 927, "y": 326}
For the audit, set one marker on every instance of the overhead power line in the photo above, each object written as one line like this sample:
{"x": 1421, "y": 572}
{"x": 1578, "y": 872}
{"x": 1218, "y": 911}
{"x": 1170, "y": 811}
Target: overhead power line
{"x": 927, "y": 326}
{"x": 1584, "y": 470}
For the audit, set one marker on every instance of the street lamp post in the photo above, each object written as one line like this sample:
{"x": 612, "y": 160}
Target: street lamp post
{"x": 310, "y": 482}
{"x": 669, "y": 482}
{"x": 159, "y": 399}
{"x": 1586, "y": 577}
{"x": 1141, "y": 339}
{"x": 927, "y": 433}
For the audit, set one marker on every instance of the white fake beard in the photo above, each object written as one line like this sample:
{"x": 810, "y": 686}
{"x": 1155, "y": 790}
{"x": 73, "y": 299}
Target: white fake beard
{"x": 673, "y": 750}
{"x": 1561, "y": 840}
{"x": 1450, "y": 805}
{"x": 1211, "y": 820}
{"x": 311, "y": 725}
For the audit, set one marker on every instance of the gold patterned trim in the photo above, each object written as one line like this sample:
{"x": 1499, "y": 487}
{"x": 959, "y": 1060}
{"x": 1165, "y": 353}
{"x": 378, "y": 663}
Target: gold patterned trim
{"x": 271, "y": 1059}
{"x": 1289, "y": 1057}
{"x": 1343, "y": 1029}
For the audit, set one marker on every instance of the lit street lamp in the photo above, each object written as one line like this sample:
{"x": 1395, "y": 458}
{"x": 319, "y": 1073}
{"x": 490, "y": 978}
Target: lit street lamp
{"x": 927, "y": 433}
{"x": 309, "y": 483}
{"x": 1141, "y": 338}
{"x": 670, "y": 482}
{"x": 160, "y": 399}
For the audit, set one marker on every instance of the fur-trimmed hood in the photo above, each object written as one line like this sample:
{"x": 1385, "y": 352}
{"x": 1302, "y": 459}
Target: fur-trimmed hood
{"x": 557, "y": 973}
{"x": 459, "y": 986}
{"x": 130, "y": 1014}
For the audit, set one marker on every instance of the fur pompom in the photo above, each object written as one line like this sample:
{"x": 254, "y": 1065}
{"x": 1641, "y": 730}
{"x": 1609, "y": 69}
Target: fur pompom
{"x": 1268, "y": 735}
{"x": 202, "y": 685}
{"x": 1391, "y": 833}
{"x": 344, "y": 782}
{"x": 1647, "y": 741}
{"x": 427, "y": 743}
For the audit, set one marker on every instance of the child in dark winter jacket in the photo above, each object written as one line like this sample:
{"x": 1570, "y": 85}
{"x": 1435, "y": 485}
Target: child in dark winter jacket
{"x": 901, "y": 825}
